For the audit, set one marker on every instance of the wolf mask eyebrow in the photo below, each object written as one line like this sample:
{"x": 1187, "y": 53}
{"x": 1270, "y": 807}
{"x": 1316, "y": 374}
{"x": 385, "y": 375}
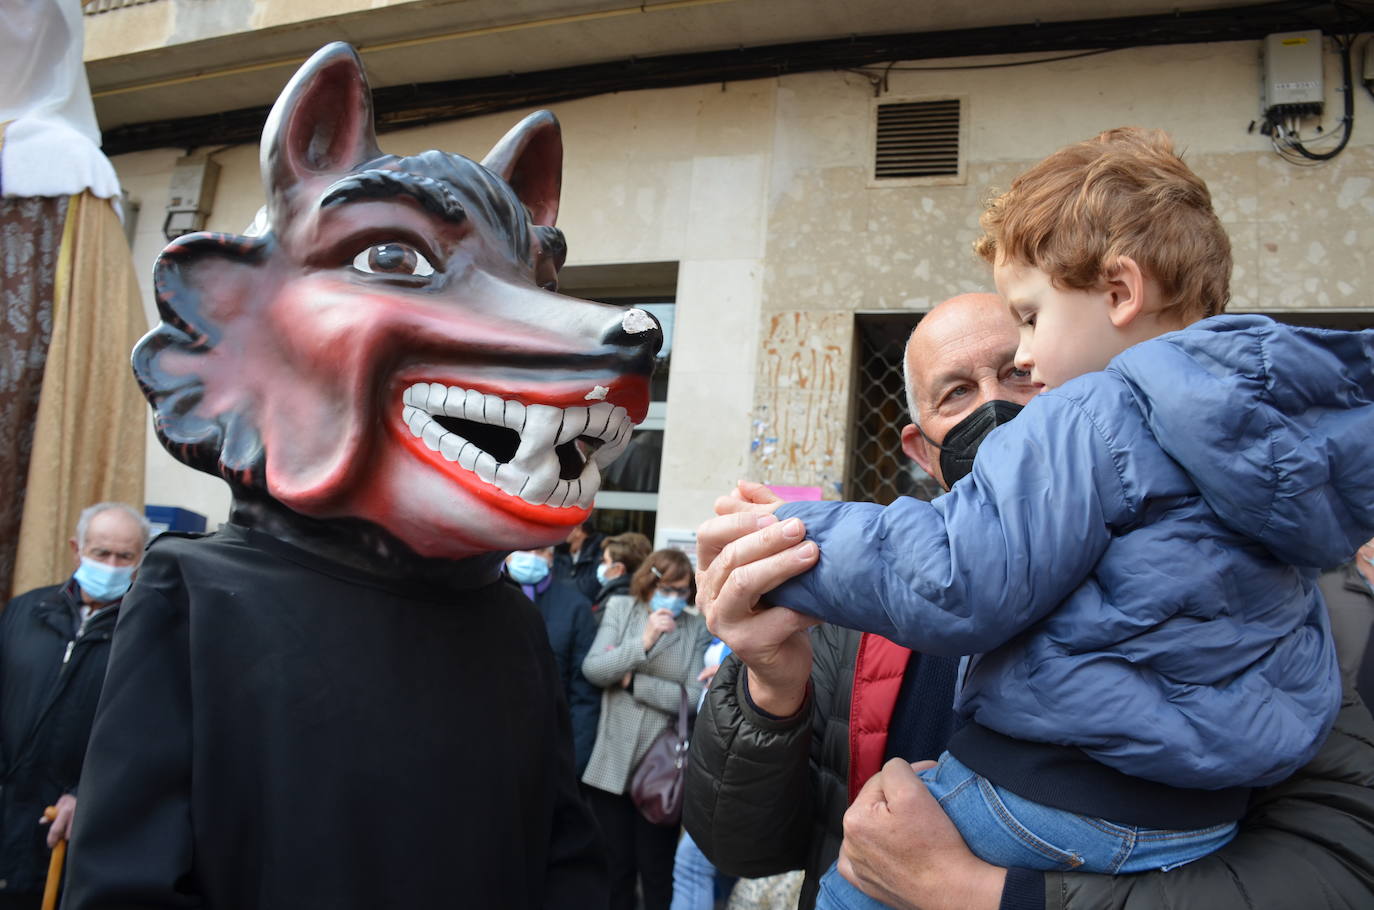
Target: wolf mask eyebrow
{"x": 432, "y": 195}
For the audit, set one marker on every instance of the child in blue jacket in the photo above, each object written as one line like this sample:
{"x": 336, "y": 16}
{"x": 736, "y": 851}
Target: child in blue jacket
{"x": 1132, "y": 561}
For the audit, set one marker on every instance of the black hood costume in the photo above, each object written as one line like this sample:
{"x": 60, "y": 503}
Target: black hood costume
{"x": 336, "y": 701}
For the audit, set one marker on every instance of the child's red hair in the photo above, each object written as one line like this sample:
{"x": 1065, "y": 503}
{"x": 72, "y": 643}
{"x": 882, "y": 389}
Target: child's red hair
{"x": 1125, "y": 192}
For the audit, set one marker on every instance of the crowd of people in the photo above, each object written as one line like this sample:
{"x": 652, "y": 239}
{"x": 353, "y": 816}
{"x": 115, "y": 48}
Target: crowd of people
{"x": 1100, "y": 671}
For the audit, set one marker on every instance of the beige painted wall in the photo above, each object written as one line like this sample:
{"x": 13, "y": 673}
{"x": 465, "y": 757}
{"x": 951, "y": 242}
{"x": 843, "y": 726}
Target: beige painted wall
{"x": 837, "y": 244}
{"x": 760, "y": 191}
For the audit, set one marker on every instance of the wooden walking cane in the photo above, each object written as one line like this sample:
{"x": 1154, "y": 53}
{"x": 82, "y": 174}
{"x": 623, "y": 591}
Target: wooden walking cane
{"x": 59, "y": 855}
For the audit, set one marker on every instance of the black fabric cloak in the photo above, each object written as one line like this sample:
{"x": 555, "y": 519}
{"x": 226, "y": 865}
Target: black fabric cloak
{"x": 280, "y": 731}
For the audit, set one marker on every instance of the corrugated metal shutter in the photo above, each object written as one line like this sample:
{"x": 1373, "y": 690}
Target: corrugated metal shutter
{"x": 917, "y": 139}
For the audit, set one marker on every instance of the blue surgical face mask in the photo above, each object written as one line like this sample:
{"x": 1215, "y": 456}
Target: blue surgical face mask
{"x": 102, "y": 582}
{"x": 603, "y": 572}
{"x": 527, "y": 568}
{"x": 673, "y": 603}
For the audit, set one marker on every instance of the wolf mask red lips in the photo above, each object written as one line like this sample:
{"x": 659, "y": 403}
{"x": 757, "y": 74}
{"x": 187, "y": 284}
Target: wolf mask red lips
{"x": 393, "y": 348}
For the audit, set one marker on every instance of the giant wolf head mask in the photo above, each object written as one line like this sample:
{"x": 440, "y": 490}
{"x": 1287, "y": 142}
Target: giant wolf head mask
{"x": 392, "y": 348}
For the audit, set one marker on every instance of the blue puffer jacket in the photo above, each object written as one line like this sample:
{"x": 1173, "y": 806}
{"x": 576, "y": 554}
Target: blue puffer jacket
{"x": 1134, "y": 557}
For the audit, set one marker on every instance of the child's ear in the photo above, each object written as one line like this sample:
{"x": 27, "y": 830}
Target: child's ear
{"x": 1126, "y": 291}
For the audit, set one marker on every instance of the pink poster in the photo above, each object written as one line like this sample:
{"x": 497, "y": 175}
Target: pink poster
{"x": 797, "y": 494}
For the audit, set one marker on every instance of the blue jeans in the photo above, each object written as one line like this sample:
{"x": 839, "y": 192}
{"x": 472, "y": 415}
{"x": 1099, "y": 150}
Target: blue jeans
{"x": 1006, "y": 830}
{"x": 696, "y": 883}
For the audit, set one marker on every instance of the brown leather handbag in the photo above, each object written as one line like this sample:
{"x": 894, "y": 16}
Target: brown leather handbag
{"x": 657, "y": 784}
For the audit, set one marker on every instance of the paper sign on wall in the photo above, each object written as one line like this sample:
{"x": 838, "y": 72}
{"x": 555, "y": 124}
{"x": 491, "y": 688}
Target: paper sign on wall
{"x": 797, "y": 494}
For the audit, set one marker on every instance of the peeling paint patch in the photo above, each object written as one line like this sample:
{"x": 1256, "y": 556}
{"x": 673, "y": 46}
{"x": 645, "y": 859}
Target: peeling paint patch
{"x": 804, "y": 350}
{"x": 1352, "y": 191}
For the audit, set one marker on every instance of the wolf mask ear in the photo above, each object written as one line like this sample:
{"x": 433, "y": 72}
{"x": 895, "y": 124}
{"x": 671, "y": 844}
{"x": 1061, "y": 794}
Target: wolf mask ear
{"x": 206, "y": 284}
{"x": 321, "y": 124}
{"x": 530, "y": 159}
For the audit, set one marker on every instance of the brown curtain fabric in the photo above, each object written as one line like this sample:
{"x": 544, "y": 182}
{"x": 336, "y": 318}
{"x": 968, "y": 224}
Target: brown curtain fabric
{"x": 30, "y": 235}
{"x": 90, "y": 429}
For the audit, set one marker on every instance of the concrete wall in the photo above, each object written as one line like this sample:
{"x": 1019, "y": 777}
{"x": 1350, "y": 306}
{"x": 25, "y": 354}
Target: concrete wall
{"x": 837, "y": 244}
{"x": 761, "y": 192}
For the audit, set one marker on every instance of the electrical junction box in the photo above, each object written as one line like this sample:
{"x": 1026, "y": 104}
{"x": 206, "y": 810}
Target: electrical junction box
{"x": 190, "y": 197}
{"x": 1293, "y": 74}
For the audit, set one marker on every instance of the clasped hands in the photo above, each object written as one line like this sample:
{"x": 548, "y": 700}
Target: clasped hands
{"x": 743, "y": 553}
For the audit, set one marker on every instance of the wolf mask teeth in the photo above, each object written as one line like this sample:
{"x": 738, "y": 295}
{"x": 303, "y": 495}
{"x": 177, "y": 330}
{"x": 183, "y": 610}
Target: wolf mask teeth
{"x": 524, "y": 450}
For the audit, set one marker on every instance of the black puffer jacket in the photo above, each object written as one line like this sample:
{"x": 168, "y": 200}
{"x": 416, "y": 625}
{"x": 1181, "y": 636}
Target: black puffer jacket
{"x": 1350, "y": 603}
{"x": 776, "y": 800}
{"x": 766, "y": 796}
{"x": 46, "y": 707}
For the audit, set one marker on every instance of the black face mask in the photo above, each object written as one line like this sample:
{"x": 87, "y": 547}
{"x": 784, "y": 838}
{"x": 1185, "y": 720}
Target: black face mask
{"x": 962, "y": 441}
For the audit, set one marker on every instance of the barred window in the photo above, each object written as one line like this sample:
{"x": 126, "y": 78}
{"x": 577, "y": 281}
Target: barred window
{"x": 878, "y": 469}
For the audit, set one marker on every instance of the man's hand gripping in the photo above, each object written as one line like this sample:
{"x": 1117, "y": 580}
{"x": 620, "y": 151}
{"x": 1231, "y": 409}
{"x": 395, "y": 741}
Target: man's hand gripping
{"x": 901, "y": 848}
{"x": 742, "y": 554}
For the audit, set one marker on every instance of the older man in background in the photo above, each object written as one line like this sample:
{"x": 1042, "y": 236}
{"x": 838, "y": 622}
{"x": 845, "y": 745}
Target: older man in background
{"x": 54, "y": 643}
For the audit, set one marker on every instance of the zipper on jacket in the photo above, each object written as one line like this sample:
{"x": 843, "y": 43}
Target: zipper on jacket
{"x": 71, "y": 645}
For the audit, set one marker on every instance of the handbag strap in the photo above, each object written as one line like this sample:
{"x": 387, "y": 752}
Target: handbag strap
{"x": 682, "y": 714}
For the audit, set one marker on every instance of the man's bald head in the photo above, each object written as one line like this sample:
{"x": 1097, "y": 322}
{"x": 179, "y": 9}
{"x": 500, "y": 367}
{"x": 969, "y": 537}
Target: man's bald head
{"x": 958, "y": 357}
{"x": 946, "y": 324}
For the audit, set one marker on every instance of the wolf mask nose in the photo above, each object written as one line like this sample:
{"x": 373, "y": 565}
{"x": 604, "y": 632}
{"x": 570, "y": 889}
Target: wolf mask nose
{"x": 635, "y": 328}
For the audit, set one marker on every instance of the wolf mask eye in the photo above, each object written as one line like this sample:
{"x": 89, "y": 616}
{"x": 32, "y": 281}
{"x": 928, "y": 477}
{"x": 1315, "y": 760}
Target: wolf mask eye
{"x": 393, "y": 259}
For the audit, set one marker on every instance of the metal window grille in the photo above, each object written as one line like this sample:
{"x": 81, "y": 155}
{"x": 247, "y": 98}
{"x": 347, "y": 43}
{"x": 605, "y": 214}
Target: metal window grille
{"x": 917, "y": 139}
{"x": 878, "y": 469}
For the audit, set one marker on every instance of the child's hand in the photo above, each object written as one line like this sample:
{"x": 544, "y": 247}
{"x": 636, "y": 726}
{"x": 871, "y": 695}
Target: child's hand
{"x": 748, "y": 496}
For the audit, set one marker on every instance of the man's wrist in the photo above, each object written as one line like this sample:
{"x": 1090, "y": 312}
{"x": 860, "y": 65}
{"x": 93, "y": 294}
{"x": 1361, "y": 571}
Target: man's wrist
{"x": 778, "y": 702}
{"x": 986, "y": 887}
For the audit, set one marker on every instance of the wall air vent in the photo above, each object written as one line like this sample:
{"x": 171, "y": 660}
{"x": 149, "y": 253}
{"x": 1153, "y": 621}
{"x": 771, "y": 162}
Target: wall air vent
{"x": 917, "y": 139}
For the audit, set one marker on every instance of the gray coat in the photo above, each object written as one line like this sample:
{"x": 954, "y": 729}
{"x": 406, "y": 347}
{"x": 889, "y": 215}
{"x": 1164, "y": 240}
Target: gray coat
{"x": 632, "y": 718}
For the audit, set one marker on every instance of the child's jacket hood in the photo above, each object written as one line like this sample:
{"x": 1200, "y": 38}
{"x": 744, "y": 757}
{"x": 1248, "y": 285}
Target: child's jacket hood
{"x": 1287, "y": 412}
